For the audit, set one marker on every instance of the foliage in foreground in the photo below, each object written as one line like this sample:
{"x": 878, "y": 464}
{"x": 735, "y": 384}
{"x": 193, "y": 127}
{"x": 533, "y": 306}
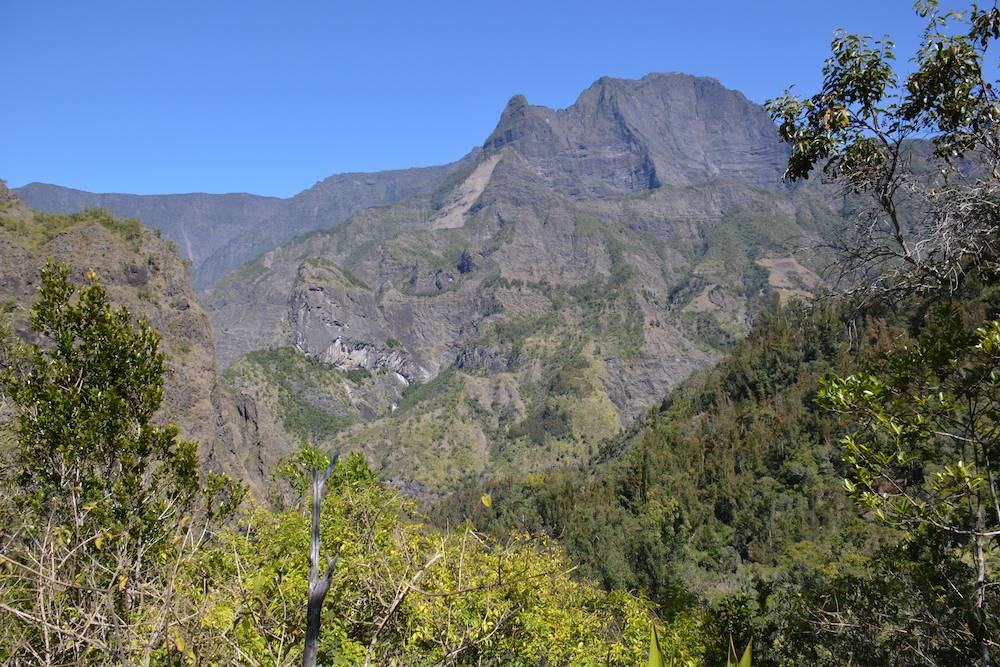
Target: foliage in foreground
{"x": 117, "y": 551}
{"x": 405, "y": 594}
{"x": 96, "y": 511}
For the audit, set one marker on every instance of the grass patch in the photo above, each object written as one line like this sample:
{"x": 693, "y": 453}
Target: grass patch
{"x": 349, "y": 278}
{"x": 311, "y": 401}
{"x": 440, "y": 388}
{"x": 40, "y": 228}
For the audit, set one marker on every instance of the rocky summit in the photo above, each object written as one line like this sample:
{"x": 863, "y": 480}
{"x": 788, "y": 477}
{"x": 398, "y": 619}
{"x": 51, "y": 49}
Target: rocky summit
{"x": 551, "y": 288}
{"x": 512, "y": 309}
{"x": 625, "y": 136}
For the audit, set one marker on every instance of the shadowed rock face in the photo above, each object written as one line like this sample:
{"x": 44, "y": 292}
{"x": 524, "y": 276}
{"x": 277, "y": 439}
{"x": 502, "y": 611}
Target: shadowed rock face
{"x": 144, "y": 273}
{"x": 625, "y": 136}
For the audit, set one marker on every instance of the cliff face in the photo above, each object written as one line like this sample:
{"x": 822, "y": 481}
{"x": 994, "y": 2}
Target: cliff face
{"x": 218, "y": 233}
{"x": 625, "y": 136}
{"x": 551, "y": 288}
{"x": 144, "y": 273}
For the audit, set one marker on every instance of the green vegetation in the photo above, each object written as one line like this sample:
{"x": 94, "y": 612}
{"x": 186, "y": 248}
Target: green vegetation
{"x": 116, "y": 551}
{"x": 483, "y": 601}
{"x": 344, "y": 276}
{"x": 729, "y": 497}
{"x": 545, "y": 421}
{"x": 309, "y": 395}
{"x": 247, "y": 273}
{"x": 921, "y": 459}
{"x": 358, "y": 375}
{"x": 439, "y": 391}
{"x": 825, "y": 495}
{"x": 606, "y": 303}
{"x": 97, "y": 501}
{"x": 440, "y": 195}
{"x": 40, "y": 228}
{"x": 742, "y": 236}
{"x": 827, "y": 491}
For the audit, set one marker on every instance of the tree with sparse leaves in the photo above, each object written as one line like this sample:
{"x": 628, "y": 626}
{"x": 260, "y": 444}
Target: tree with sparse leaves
{"x": 102, "y": 503}
{"x": 923, "y": 154}
{"x": 923, "y": 151}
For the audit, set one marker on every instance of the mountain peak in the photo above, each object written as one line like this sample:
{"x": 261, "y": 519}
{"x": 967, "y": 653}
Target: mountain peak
{"x": 627, "y": 135}
{"x": 516, "y": 102}
{"x": 517, "y": 121}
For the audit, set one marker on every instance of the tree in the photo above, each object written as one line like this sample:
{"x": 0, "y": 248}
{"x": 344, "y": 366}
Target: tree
{"x": 925, "y": 454}
{"x": 319, "y": 584}
{"x": 933, "y": 211}
{"x": 103, "y": 502}
{"x": 86, "y": 401}
{"x": 922, "y": 155}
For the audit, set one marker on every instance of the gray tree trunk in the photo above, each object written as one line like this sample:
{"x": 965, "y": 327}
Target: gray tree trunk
{"x": 319, "y": 584}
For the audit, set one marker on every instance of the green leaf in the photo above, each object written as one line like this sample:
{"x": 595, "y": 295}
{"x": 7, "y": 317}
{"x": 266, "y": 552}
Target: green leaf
{"x": 745, "y": 660}
{"x": 655, "y": 654}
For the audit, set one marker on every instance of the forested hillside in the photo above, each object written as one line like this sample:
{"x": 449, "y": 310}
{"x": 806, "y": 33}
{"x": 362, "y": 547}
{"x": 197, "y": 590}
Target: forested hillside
{"x": 827, "y": 490}
{"x": 730, "y": 496}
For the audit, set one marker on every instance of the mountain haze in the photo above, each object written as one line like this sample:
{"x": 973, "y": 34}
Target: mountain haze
{"x": 219, "y": 232}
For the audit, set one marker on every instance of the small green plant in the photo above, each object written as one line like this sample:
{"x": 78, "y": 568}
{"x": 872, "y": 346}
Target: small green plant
{"x": 744, "y": 660}
{"x": 657, "y": 659}
{"x": 655, "y": 654}
{"x": 358, "y": 375}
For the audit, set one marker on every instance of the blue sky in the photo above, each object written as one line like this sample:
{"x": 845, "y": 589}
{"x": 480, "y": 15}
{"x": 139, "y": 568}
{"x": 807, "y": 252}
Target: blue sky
{"x": 269, "y": 97}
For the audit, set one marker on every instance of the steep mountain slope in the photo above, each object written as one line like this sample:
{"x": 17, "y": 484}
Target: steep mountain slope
{"x": 143, "y": 272}
{"x": 625, "y": 136}
{"x": 734, "y": 474}
{"x": 218, "y": 233}
{"x": 730, "y": 494}
{"x": 553, "y": 287}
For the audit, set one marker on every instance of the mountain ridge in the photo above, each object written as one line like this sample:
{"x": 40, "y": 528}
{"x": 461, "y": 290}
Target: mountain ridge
{"x": 240, "y": 226}
{"x": 234, "y": 228}
{"x": 543, "y": 295}
{"x": 510, "y": 310}
{"x": 143, "y": 272}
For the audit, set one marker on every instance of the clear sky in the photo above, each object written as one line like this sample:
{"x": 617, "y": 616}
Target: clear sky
{"x": 269, "y": 97}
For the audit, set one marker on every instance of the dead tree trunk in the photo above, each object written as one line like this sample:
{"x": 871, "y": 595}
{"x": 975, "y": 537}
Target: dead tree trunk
{"x": 318, "y": 584}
